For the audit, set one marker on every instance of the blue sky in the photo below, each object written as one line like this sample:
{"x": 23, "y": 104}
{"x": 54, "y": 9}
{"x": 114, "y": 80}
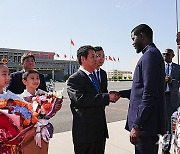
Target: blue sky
{"x": 48, "y": 25}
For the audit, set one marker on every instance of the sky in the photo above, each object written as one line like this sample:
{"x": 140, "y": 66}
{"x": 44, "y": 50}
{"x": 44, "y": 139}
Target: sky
{"x": 49, "y": 25}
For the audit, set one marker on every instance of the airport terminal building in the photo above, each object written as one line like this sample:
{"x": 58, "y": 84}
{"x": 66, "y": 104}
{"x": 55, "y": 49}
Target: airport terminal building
{"x": 45, "y": 63}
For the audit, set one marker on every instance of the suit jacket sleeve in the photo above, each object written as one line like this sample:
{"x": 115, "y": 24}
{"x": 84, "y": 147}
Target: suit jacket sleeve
{"x": 104, "y": 82}
{"x": 150, "y": 68}
{"x": 78, "y": 93}
{"x": 125, "y": 93}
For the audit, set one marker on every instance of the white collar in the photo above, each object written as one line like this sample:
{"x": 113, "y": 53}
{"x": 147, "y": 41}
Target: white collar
{"x": 85, "y": 71}
{"x": 168, "y": 63}
{"x": 26, "y": 93}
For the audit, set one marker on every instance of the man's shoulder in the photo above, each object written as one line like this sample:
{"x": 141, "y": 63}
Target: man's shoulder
{"x": 79, "y": 75}
{"x": 153, "y": 54}
{"x": 18, "y": 73}
{"x": 103, "y": 71}
{"x": 176, "y": 66}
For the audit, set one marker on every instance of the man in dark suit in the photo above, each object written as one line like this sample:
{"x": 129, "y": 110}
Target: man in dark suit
{"x": 172, "y": 97}
{"x": 16, "y": 85}
{"x": 89, "y": 129}
{"x": 146, "y": 115}
{"x": 101, "y": 74}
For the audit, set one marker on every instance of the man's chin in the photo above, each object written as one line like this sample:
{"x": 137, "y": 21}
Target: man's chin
{"x": 138, "y": 51}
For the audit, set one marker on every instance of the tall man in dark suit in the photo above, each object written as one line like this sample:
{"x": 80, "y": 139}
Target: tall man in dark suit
{"x": 172, "y": 96}
{"x": 89, "y": 129}
{"x": 16, "y": 85}
{"x": 146, "y": 114}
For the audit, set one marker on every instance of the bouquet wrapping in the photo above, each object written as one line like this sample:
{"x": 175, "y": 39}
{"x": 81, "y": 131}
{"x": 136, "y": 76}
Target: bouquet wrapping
{"x": 16, "y": 119}
{"x": 18, "y": 116}
{"x": 45, "y": 104}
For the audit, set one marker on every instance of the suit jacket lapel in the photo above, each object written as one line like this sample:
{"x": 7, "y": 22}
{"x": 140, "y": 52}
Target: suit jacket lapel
{"x": 87, "y": 80}
{"x": 172, "y": 70}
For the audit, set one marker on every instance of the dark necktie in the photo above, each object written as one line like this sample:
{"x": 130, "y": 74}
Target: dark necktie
{"x": 98, "y": 77}
{"x": 94, "y": 81}
{"x": 167, "y": 70}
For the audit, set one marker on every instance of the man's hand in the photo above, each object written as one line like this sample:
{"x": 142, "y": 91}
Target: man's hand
{"x": 113, "y": 97}
{"x": 168, "y": 79}
{"x": 134, "y": 134}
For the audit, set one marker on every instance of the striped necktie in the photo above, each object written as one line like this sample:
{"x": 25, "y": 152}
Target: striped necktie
{"x": 94, "y": 82}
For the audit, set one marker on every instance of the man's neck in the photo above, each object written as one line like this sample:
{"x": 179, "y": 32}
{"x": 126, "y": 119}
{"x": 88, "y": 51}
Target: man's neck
{"x": 87, "y": 69}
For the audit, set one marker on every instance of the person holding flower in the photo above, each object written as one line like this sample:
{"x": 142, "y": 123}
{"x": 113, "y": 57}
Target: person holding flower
{"x": 44, "y": 130}
{"x": 9, "y": 126}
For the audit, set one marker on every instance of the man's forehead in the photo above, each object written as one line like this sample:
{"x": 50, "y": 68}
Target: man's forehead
{"x": 29, "y": 58}
{"x": 90, "y": 51}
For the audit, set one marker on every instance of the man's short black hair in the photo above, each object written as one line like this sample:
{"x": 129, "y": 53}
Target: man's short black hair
{"x": 26, "y": 74}
{"x": 98, "y": 48}
{"x": 143, "y": 28}
{"x": 27, "y": 55}
{"x": 83, "y": 51}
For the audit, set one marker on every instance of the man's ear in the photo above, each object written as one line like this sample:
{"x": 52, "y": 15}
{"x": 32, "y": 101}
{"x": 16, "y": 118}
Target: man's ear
{"x": 82, "y": 59}
{"x": 142, "y": 36}
{"x": 24, "y": 82}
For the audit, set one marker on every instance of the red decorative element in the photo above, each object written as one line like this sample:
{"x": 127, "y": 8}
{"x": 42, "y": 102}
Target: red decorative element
{"x": 49, "y": 55}
{"x": 65, "y": 56}
{"x": 40, "y": 54}
{"x": 118, "y": 59}
{"x": 114, "y": 59}
{"x": 72, "y": 43}
{"x": 4, "y": 61}
{"x": 110, "y": 58}
{"x": 57, "y": 55}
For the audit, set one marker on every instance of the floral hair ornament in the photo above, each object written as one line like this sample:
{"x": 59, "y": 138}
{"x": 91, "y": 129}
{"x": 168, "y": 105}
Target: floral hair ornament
{"x": 4, "y": 61}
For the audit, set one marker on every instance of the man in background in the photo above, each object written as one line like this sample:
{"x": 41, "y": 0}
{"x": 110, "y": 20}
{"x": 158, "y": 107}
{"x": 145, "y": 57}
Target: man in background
{"x": 101, "y": 74}
{"x": 16, "y": 85}
{"x": 172, "y": 97}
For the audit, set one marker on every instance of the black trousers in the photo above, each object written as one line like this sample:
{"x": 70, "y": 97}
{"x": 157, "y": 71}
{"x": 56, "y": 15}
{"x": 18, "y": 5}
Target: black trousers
{"x": 147, "y": 145}
{"x": 90, "y": 148}
{"x": 167, "y": 138}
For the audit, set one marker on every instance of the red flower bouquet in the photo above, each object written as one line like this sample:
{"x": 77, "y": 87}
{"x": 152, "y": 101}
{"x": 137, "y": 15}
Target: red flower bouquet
{"x": 45, "y": 105}
{"x": 16, "y": 118}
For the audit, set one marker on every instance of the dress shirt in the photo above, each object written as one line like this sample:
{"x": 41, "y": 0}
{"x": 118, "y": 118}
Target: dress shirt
{"x": 98, "y": 75}
{"x": 85, "y": 71}
{"x": 168, "y": 73}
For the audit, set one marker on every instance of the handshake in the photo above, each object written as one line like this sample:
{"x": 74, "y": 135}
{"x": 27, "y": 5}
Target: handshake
{"x": 114, "y": 96}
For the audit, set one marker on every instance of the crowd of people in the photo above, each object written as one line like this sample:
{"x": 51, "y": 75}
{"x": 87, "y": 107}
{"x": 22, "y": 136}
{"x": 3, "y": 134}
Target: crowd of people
{"x": 153, "y": 98}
